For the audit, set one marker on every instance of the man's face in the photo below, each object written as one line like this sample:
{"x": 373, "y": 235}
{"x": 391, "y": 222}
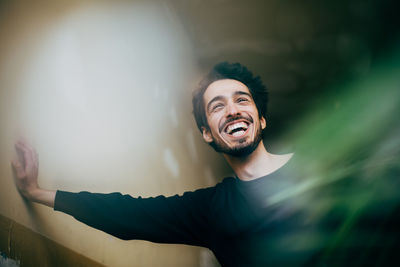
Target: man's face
{"x": 232, "y": 115}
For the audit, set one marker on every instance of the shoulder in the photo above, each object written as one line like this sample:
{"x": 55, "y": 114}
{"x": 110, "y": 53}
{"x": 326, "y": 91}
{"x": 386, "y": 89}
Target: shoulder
{"x": 212, "y": 194}
{"x": 227, "y": 181}
{"x": 225, "y": 184}
{"x": 208, "y": 192}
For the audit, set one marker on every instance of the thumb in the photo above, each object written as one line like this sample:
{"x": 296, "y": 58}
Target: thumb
{"x": 17, "y": 167}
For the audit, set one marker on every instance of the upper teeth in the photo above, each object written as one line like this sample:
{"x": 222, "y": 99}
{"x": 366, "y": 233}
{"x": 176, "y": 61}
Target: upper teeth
{"x": 234, "y": 126}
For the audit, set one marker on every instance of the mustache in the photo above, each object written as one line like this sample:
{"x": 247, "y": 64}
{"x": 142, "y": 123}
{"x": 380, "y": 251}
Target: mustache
{"x": 235, "y": 118}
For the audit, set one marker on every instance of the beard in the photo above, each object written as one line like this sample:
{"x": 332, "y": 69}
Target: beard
{"x": 242, "y": 149}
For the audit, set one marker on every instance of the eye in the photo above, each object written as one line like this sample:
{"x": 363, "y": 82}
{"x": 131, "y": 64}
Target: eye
{"x": 217, "y": 107}
{"x": 242, "y": 99}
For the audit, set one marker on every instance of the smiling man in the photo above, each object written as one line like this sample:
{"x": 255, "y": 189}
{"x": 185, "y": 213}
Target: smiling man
{"x": 234, "y": 218}
{"x": 230, "y": 110}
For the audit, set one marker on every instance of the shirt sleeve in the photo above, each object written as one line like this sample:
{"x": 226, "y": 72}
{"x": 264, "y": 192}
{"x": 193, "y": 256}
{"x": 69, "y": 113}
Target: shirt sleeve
{"x": 176, "y": 219}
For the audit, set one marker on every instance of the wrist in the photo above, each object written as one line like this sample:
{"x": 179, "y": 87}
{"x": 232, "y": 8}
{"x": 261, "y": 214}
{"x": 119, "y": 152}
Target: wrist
{"x": 32, "y": 194}
{"x": 42, "y": 196}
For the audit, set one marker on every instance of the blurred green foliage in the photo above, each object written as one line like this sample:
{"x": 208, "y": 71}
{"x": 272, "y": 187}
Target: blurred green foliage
{"x": 347, "y": 171}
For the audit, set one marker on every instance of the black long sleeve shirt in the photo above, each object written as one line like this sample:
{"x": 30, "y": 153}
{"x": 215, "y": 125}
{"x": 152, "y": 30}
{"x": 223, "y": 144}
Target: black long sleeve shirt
{"x": 234, "y": 219}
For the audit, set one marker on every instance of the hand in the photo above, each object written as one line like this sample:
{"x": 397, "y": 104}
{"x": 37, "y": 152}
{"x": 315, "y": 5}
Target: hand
{"x": 26, "y": 169}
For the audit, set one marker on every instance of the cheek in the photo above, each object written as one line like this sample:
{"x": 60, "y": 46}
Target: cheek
{"x": 213, "y": 122}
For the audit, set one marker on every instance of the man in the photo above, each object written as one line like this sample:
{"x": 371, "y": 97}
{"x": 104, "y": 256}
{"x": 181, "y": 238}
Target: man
{"x": 233, "y": 218}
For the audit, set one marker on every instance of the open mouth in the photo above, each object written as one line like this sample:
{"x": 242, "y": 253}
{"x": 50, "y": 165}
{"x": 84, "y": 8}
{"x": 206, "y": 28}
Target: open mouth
{"x": 236, "y": 129}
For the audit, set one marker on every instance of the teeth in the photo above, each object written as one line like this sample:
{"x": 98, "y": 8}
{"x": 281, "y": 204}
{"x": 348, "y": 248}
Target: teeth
{"x": 235, "y": 126}
{"x": 238, "y": 133}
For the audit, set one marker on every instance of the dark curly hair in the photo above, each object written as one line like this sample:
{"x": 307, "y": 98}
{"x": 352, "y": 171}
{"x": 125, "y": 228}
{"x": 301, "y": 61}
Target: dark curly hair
{"x": 235, "y": 71}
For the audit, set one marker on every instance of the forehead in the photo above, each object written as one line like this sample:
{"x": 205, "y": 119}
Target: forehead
{"x": 224, "y": 88}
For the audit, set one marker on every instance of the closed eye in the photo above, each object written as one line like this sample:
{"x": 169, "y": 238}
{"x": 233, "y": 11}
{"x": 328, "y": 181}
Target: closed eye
{"x": 217, "y": 107}
{"x": 242, "y": 100}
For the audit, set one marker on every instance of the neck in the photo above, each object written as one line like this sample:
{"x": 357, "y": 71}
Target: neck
{"x": 259, "y": 163}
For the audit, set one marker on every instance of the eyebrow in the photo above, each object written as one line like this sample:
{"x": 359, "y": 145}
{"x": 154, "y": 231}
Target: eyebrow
{"x": 220, "y": 97}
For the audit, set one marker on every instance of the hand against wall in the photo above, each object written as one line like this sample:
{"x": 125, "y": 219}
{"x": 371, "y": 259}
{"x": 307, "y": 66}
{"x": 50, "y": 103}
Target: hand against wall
{"x": 26, "y": 168}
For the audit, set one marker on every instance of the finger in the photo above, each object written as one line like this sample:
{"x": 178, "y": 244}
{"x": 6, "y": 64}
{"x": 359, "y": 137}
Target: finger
{"x": 31, "y": 150}
{"x": 27, "y": 156}
{"x": 32, "y": 153}
{"x": 21, "y": 150}
{"x": 29, "y": 161}
{"x": 26, "y": 144}
{"x": 21, "y": 142}
{"x": 20, "y": 153}
{"x": 36, "y": 159}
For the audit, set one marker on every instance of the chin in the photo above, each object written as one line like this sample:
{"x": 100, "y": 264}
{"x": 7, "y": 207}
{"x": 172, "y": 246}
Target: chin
{"x": 240, "y": 150}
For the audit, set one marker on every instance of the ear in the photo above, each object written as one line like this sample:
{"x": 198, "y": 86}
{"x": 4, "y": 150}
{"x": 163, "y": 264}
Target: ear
{"x": 207, "y": 136}
{"x": 263, "y": 123}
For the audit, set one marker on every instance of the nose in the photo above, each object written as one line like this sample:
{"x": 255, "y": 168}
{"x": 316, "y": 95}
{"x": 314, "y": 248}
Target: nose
{"x": 232, "y": 110}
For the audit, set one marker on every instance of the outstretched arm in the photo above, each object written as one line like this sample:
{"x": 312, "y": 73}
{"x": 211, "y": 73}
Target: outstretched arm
{"x": 26, "y": 169}
{"x": 176, "y": 219}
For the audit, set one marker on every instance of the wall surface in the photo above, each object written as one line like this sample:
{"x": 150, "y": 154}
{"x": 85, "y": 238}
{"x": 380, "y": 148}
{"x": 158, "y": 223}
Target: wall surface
{"x": 103, "y": 92}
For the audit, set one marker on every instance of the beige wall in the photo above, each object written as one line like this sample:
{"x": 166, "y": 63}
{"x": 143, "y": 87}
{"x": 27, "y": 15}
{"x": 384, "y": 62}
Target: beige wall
{"x": 103, "y": 91}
